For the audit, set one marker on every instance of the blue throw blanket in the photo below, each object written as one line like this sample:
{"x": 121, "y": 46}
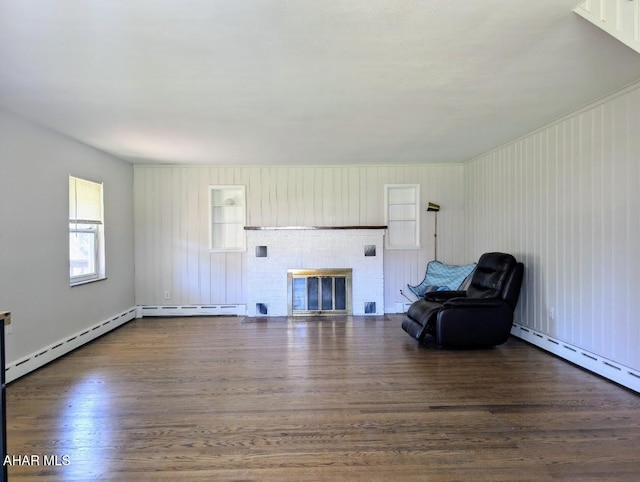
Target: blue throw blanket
{"x": 442, "y": 277}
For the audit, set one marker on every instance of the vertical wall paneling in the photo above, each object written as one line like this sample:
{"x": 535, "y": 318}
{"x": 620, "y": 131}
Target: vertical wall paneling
{"x": 193, "y": 265}
{"x": 353, "y": 199}
{"x": 166, "y": 209}
{"x": 217, "y": 261}
{"x": 569, "y": 201}
{"x": 362, "y": 190}
{"x": 204, "y": 256}
{"x": 184, "y": 253}
{"x": 172, "y": 222}
{"x": 141, "y": 226}
{"x": 619, "y": 18}
{"x": 175, "y": 244}
{"x": 156, "y": 196}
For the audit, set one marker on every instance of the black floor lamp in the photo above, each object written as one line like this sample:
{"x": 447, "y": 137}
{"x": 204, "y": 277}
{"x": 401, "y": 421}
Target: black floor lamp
{"x": 434, "y": 208}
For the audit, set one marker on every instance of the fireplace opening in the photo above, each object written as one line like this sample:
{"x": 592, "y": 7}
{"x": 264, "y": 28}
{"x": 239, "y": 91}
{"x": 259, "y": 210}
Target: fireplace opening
{"x": 319, "y": 291}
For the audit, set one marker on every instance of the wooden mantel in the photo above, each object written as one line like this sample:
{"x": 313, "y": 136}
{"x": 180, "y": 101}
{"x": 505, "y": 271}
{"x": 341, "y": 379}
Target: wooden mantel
{"x": 293, "y": 228}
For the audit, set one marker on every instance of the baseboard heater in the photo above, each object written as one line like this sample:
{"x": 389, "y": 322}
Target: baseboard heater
{"x": 604, "y": 367}
{"x": 191, "y": 310}
{"x": 47, "y": 354}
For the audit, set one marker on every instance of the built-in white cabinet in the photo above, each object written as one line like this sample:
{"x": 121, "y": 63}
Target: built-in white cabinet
{"x": 402, "y": 216}
{"x": 228, "y": 211}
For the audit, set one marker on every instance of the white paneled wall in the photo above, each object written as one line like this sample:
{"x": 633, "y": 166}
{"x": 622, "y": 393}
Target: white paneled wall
{"x": 619, "y": 18}
{"x": 171, "y": 212}
{"x": 566, "y": 201}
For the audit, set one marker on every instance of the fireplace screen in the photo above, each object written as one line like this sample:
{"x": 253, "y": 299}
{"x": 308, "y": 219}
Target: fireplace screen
{"x": 319, "y": 291}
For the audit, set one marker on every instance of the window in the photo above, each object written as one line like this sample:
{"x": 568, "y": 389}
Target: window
{"x": 86, "y": 231}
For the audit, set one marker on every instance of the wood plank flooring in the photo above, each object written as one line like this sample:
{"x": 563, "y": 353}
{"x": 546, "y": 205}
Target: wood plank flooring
{"x": 315, "y": 399}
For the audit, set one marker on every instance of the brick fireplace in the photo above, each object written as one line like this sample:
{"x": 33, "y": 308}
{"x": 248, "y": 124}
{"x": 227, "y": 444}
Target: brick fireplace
{"x": 274, "y": 252}
{"x": 319, "y": 292}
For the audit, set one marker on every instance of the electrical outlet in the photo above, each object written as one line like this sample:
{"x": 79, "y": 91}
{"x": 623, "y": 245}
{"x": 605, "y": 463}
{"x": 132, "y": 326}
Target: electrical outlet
{"x": 7, "y": 329}
{"x": 551, "y": 313}
{"x": 167, "y": 295}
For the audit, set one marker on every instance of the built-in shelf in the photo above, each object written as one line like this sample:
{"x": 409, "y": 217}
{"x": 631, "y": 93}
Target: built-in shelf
{"x": 402, "y": 203}
{"x": 228, "y": 218}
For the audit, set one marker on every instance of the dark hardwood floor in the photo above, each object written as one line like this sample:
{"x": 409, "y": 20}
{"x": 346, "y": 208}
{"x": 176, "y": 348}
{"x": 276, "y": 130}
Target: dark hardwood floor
{"x": 315, "y": 399}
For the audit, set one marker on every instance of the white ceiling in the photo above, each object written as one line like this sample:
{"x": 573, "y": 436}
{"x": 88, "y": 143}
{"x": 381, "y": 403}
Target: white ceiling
{"x": 255, "y": 82}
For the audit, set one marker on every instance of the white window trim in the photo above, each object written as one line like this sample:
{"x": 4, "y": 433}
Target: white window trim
{"x": 95, "y": 226}
{"x": 95, "y": 275}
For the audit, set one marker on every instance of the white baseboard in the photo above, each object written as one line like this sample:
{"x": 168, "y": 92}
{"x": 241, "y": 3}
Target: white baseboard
{"x": 399, "y": 307}
{"x": 61, "y": 347}
{"x": 609, "y": 369}
{"x": 191, "y": 310}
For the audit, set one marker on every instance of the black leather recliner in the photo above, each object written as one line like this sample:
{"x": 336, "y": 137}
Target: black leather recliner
{"x": 480, "y": 316}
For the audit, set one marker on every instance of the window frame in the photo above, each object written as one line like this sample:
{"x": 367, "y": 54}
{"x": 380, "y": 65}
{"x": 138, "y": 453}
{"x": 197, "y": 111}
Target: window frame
{"x": 94, "y": 227}
{"x": 94, "y": 260}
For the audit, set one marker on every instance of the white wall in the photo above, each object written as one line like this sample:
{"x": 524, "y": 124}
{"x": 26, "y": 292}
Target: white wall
{"x": 566, "y": 201}
{"x": 34, "y": 246}
{"x": 171, "y": 212}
